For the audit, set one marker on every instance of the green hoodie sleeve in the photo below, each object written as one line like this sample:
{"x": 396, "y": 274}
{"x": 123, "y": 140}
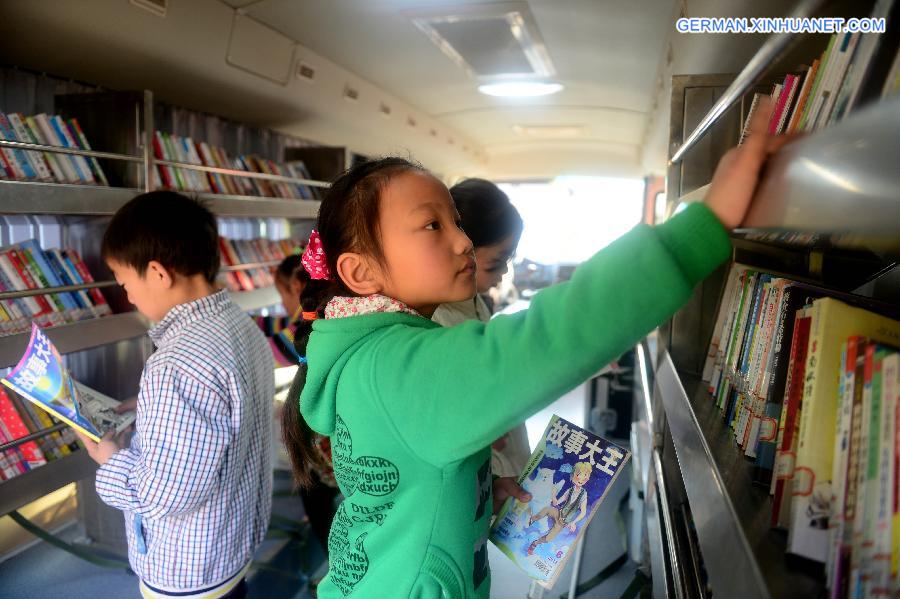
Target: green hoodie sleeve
{"x": 452, "y": 391}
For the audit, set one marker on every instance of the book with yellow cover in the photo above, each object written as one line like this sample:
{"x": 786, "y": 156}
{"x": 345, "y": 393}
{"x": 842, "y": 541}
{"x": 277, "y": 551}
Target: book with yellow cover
{"x": 833, "y": 322}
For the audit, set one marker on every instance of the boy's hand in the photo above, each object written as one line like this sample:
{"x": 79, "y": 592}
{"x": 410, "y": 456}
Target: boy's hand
{"x": 128, "y": 405}
{"x": 734, "y": 182}
{"x": 102, "y": 451}
{"x": 505, "y": 487}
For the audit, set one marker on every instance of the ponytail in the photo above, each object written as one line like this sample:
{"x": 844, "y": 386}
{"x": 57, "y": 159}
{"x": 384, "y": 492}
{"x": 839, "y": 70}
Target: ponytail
{"x": 298, "y": 437}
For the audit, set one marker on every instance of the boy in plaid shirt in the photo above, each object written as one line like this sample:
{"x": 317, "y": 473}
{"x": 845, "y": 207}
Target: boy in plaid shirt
{"x": 196, "y": 482}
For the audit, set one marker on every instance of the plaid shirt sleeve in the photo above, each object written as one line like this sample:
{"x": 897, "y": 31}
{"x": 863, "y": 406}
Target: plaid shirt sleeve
{"x": 183, "y": 430}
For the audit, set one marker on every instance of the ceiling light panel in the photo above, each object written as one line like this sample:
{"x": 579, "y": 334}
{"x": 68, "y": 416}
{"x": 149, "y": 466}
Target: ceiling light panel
{"x": 489, "y": 41}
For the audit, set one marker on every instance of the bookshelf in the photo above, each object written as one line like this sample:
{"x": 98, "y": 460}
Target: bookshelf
{"x": 827, "y": 212}
{"x": 82, "y": 210}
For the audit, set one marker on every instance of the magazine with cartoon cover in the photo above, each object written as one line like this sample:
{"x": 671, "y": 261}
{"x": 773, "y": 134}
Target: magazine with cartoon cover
{"x": 568, "y": 476}
{"x": 41, "y": 378}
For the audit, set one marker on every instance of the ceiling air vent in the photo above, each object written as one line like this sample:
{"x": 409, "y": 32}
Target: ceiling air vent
{"x": 305, "y": 72}
{"x": 157, "y": 7}
{"x": 489, "y": 41}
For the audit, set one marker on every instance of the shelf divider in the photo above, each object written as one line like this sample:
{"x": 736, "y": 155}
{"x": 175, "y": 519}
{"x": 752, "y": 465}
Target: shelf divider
{"x": 25, "y": 488}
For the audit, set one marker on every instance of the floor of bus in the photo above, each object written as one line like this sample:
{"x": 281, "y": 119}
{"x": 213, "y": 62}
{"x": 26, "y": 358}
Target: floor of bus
{"x": 284, "y": 566}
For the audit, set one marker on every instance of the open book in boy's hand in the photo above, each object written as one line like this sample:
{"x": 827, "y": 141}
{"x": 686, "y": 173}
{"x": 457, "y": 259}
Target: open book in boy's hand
{"x": 568, "y": 476}
{"x": 41, "y": 378}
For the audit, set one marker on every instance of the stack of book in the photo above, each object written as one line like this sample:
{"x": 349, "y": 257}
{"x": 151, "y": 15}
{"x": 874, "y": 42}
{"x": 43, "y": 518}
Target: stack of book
{"x": 31, "y": 165}
{"x": 235, "y": 252}
{"x": 19, "y": 418}
{"x": 25, "y": 266}
{"x": 184, "y": 149}
{"x": 809, "y": 385}
{"x": 854, "y": 69}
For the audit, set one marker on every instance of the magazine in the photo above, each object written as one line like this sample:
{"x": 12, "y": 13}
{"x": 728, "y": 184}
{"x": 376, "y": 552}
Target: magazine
{"x": 568, "y": 476}
{"x": 41, "y": 378}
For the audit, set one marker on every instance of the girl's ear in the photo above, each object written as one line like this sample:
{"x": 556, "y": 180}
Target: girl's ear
{"x": 359, "y": 275}
{"x": 159, "y": 275}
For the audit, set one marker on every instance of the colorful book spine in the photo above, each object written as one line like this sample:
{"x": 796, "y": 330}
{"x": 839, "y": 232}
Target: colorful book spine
{"x": 50, "y": 138}
{"x": 16, "y": 428}
{"x": 786, "y": 457}
{"x": 54, "y": 161}
{"x": 812, "y": 105}
{"x": 82, "y": 142}
{"x": 803, "y": 96}
{"x": 36, "y": 159}
{"x": 73, "y": 259}
{"x": 15, "y": 158}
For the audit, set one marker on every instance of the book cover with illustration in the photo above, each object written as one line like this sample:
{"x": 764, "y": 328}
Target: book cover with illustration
{"x": 41, "y": 378}
{"x": 568, "y": 476}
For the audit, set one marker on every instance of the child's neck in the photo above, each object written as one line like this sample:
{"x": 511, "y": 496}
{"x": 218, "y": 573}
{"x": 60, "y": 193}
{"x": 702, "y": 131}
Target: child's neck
{"x": 189, "y": 289}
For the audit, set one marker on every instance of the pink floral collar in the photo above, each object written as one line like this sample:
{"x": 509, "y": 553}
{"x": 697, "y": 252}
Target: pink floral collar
{"x": 341, "y": 307}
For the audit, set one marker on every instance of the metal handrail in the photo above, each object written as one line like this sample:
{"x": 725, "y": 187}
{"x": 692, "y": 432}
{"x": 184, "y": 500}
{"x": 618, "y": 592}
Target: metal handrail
{"x": 239, "y": 173}
{"x": 35, "y": 435}
{"x": 21, "y": 145}
{"x": 48, "y": 290}
{"x": 767, "y": 54}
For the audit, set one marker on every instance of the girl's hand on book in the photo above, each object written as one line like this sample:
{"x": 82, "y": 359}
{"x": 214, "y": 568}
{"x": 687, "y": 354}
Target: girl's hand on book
{"x": 734, "y": 183}
{"x": 506, "y": 487}
{"x": 102, "y": 451}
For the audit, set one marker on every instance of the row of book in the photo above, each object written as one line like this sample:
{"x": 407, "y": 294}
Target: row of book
{"x": 184, "y": 149}
{"x": 235, "y": 252}
{"x": 851, "y": 71}
{"x": 19, "y": 418}
{"x": 32, "y": 165}
{"x": 808, "y": 384}
{"x": 26, "y": 266}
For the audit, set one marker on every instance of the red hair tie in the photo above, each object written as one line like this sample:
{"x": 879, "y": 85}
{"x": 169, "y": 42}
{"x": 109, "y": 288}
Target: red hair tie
{"x": 313, "y": 259}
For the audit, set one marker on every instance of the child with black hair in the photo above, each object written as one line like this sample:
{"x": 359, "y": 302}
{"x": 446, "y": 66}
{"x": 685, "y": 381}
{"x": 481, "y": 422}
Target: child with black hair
{"x": 290, "y": 279}
{"x": 494, "y": 227}
{"x": 196, "y": 482}
{"x": 411, "y": 407}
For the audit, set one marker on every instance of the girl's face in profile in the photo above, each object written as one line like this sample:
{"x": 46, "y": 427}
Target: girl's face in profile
{"x": 290, "y": 295}
{"x": 492, "y": 262}
{"x": 429, "y": 260}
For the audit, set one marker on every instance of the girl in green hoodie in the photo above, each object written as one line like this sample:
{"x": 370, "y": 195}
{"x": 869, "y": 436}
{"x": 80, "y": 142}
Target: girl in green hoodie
{"x": 412, "y": 407}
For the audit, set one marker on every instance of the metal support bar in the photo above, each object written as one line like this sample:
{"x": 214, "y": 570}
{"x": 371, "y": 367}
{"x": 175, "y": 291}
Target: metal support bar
{"x": 35, "y": 435}
{"x": 21, "y": 145}
{"x": 667, "y": 524}
{"x": 149, "y": 130}
{"x": 48, "y": 290}
{"x": 245, "y": 174}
